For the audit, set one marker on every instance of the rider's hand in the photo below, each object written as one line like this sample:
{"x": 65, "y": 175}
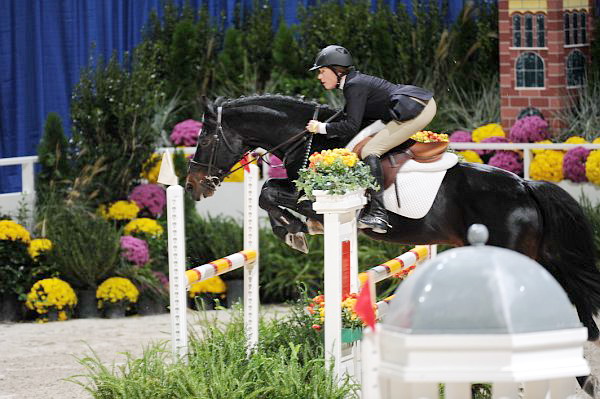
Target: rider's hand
{"x": 313, "y": 126}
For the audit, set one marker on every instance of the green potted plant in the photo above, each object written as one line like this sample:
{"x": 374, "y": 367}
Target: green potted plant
{"x": 52, "y": 298}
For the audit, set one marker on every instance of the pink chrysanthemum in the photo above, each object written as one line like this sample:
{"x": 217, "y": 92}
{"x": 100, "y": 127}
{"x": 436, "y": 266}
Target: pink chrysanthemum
{"x": 276, "y": 171}
{"x": 574, "y": 164}
{"x": 162, "y": 279}
{"x": 529, "y": 129}
{"x": 186, "y": 132}
{"x": 151, "y": 197}
{"x": 507, "y": 160}
{"x": 135, "y": 250}
{"x": 460, "y": 136}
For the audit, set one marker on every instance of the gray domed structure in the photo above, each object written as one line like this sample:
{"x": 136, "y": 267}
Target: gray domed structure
{"x": 480, "y": 290}
{"x": 473, "y": 314}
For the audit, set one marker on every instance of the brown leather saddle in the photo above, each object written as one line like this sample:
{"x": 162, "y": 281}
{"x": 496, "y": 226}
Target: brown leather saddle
{"x": 393, "y": 160}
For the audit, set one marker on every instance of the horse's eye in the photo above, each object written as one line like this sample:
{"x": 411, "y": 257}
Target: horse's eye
{"x": 204, "y": 142}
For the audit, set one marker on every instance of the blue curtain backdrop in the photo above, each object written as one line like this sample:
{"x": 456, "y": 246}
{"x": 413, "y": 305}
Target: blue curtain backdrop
{"x": 45, "y": 43}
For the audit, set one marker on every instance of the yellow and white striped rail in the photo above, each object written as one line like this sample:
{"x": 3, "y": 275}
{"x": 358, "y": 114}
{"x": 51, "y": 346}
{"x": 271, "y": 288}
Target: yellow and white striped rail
{"x": 400, "y": 264}
{"x": 220, "y": 266}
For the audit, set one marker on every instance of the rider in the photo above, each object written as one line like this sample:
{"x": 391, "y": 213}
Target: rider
{"x": 405, "y": 109}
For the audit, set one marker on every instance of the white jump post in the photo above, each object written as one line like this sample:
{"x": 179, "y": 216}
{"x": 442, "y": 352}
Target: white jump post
{"x": 341, "y": 264}
{"x": 180, "y": 279}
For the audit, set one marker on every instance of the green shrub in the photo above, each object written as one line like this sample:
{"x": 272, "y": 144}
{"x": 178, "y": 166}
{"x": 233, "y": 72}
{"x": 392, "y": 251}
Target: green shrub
{"x": 288, "y": 364}
{"x": 53, "y": 153}
{"x": 85, "y": 247}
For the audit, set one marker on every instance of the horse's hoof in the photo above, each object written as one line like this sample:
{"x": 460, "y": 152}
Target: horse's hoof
{"x": 297, "y": 241}
{"x": 314, "y": 227}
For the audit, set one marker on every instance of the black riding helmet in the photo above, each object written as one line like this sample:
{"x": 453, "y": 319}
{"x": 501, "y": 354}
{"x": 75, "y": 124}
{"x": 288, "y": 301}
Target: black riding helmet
{"x": 331, "y": 56}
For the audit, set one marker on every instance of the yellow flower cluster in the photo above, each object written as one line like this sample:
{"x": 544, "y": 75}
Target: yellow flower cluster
{"x": 51, "y": 293}
{"x": 485, "y": 131}
{"x": 39, "y": 245}
{"x": 328, "y": 157}
{"x": 117, "y": 289}
{"x": 214, "y": 285}
{"x": 470, "y": 156}
{"x": 348, "y": 312}
{"x": 144, "y": 225}
{"x": 547, "y": 165}
{"x": 426, "y": 136}
{"x": 592, "y": 167}
{"x": 123, "y": 210}
{"x": 575, "y": 140}
{"x": 539, "y": 151}
{"x": 151, "y": 173}
{"x": 13, "y": 231}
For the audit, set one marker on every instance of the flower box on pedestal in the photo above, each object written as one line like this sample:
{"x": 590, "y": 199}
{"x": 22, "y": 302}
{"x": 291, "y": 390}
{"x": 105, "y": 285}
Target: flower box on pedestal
{"x": 350, "y": 335}
{"x": 331, "y": 202}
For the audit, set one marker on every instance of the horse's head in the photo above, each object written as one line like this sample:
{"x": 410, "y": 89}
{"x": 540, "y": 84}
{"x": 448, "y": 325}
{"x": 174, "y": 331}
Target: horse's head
{"x": 218, "y": 149}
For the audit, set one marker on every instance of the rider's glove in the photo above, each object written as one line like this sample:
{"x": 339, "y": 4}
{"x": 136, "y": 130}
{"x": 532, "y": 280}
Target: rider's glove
{"x": 314, "y": 126}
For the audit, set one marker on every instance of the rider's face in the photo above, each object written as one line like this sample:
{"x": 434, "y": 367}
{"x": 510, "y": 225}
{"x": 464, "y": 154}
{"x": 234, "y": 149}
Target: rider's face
{"x": 328, "y": 78}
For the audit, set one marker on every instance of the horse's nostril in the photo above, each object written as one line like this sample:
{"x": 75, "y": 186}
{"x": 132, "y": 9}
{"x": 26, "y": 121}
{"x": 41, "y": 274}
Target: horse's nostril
{"x": 189, "y": 187}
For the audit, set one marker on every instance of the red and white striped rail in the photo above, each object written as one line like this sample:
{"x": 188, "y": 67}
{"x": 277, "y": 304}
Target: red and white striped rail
{"x": 221, "y": 266}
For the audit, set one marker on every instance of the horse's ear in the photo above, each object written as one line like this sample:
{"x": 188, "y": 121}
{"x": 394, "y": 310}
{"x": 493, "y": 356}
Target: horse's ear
{"x": 219, "y": 101}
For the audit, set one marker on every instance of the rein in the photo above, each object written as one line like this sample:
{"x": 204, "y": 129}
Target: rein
{"x": 215, "y": 180}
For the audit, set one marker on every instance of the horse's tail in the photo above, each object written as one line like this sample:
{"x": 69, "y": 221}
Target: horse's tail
{"x": 567, "y": 249}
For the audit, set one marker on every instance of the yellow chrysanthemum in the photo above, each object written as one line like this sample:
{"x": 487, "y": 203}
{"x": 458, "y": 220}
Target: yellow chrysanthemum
{"x": 547, "y": 165}
{"x": 575, "y": 140}
{"x": 214, "y": 285}
{"x": 51, "y": 293}
{"x": 123, "y": 210}
{"x": 102, "y": 211}
{"x": 13, "y": 231}
{"x": 39, "y": 245}
{"x": 144, "y": 225}
{"x": 539, "y": 151}
{"x": 592, "y": 166}
{"x": 485, "y": 131}
{"x": 150, "y": 173}
{"x": 117, "y": 289}
{"x": 596, "y": 141}
{"x": 470, "y": 156}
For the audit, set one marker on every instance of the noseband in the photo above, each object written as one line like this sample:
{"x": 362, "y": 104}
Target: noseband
{"x": 212, "y": 180}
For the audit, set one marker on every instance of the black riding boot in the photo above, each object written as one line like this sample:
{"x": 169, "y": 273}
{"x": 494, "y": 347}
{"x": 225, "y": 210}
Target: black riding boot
{"x": 375, "y": 217}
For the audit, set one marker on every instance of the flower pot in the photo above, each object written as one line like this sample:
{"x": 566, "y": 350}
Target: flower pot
{"x": 351, "y": 334}
{"x": 203, "y": 302}
{"x": 235, "y": 292}
{"x": 52, "y": 314}
{"x": 87, "y": 305}
{"x": 428, "y": 152}
{"x": 9, "y": 307}
{"x": 150, "y": 305}
{"x": 114, "y": 310}
{"x": 325, "y": 202}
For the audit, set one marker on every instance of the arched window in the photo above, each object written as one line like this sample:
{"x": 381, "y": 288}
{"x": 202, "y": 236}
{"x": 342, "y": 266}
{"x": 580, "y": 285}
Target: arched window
{"x": 530, "y": 70}
{"x": 575, "y": 68}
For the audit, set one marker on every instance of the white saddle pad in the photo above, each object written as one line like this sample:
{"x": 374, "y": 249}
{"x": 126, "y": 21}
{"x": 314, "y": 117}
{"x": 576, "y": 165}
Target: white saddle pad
{"x": 417, "y": 182}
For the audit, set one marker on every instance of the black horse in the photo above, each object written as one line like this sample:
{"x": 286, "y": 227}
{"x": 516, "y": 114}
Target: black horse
{"x": 536, "y": 218}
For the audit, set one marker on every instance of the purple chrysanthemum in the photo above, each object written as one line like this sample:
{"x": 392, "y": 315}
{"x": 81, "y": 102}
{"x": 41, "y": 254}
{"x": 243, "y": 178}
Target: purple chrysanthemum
{"x": 492, "y": 139}
{"x": 460, "y": 136}
{"x": 507, "y": 160}
{"x": 574, "y": 164}
{"x": 276, "y": 171}
{"x": 149, "y": 196}
{"x": 135, "y": 250}
{"x": 186, "y": 132}
{"x": 529, "y": 130}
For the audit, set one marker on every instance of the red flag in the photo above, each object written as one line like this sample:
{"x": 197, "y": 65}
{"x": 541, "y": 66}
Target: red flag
{"x": 364, "y": 303}
{"x": 245, "y": 161}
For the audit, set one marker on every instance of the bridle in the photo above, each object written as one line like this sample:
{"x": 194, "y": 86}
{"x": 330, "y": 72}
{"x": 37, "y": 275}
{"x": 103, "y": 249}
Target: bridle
{"x": 214, "y": 180}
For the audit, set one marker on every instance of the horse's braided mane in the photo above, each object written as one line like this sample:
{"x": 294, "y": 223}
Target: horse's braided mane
{"x": 275, "y": 98}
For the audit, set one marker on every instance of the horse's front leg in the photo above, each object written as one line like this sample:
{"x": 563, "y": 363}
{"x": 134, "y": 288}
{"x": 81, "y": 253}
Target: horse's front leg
{"x": 276, "y": 197}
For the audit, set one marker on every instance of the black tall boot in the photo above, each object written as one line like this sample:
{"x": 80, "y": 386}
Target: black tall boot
{"x": 375, "y": 217}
